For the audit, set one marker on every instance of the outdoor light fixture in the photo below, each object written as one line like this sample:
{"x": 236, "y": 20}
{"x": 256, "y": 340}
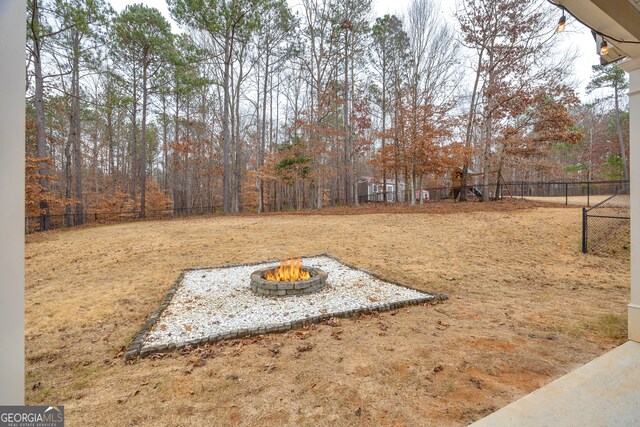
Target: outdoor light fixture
{"x": 561, "y": 23}
{"x": 604, "y": 48}
{"x": 607, "y": 56}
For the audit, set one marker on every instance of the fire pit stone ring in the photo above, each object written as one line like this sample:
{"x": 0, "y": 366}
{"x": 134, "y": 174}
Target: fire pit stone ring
{"x": 270, "y": 288}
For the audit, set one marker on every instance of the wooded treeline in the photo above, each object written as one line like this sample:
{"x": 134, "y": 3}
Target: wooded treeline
{"x": 256, "y": 106}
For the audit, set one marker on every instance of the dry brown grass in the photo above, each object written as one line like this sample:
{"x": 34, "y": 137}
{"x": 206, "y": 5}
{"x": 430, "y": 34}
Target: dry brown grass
{"x": 525, "y": 307}
{"x": 622, "y": 201}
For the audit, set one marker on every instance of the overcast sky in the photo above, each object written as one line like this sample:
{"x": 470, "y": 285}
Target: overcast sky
{"x": 576, "y": 38}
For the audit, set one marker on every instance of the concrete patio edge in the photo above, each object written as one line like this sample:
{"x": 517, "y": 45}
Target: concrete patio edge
{"x": 604, "y": 392}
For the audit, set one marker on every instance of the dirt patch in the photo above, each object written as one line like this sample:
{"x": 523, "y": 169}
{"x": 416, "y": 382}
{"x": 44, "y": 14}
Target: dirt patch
{"x": 523, "y": 300}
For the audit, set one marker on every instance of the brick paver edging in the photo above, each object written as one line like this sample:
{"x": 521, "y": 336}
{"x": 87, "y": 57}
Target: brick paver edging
{"x": 135, "y": 348}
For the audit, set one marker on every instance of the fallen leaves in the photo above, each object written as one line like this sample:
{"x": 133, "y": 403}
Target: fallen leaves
{"x": 442, "y": 325}
{"x": 197, "y": 363}
{"x": 333, "y": 322}
{"x": 156, "y": 356}
{"x": 129, "y": 396}
{"x": 301, "y": 334}
{"x": 304, "y": 348}
{"x": 476, "y": 382}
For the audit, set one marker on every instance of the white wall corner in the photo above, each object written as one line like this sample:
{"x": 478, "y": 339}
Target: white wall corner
{"x": 12, "y": 108}
{"x": 632, "y": 66}
{"x": 634, "y": 322}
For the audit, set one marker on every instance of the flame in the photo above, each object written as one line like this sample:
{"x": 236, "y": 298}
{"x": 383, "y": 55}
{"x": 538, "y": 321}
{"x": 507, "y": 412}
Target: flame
{"x": 289, "y": 271}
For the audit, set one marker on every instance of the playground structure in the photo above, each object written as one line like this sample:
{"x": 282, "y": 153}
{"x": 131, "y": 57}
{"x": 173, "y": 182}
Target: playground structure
{"x": 456, "y": 184}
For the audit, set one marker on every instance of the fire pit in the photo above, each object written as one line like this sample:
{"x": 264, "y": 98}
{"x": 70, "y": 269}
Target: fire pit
{"x": 212, "y": 304}
{"x": 289, "y": 279}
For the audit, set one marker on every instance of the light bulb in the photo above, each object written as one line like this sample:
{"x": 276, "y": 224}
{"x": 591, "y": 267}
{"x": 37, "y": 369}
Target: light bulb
{"x": 604, "y": 48}
{"x": 561, "y": 24}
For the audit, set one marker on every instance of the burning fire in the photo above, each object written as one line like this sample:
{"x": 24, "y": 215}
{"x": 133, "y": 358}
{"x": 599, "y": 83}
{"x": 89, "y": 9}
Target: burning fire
{"x": 289, "y": 271}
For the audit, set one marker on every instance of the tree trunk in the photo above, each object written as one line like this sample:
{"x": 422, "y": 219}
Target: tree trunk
{"x": 109, "y": 114}
{"x": 74, "y": 127}
{"x": 43, "y": 182}
{"x": 347, "y": 130}
{"x": 134, "y": 122}
{"x": 384, "y": 123}
{"x": 499, "y": 172}
{"x": 462, "y": 195}
{"x": 226, "y": 186}
{"x": 186, "y": 202}
{"x": 263, "y": 133}
{"x": 486, "y": 160}
{"x": 164, "y": 142}
{"x": 488, "y": 134}
{"x": 68, "y": 179}
{"x": 143, "y": 141}
{"x": 623, "y": 150}
{"x": 396, "y": 191}
{"x": 412, "y": 183}
{"x": 239, "y": 175}
{"x": 353, "y": 177}
{"x": 174, "y": 156}
{"x": 94, "y": 161}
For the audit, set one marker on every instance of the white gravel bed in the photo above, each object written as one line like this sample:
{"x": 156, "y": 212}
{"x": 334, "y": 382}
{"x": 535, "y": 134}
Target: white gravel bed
{"x": 219, "y": 301}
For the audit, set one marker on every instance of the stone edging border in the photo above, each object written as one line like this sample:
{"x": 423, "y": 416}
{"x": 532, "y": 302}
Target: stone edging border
{"x": 135, "y": 348}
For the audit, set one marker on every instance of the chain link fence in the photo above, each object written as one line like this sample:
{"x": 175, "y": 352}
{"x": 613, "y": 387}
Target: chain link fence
{"x": 609, "y": 199}
{"x": 57, "y": 221}
{"x": 606, "y": 227}
{"x": 578, "y": 193}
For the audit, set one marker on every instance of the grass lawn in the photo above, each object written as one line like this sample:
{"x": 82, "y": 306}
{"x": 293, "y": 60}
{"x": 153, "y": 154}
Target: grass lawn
{"x": 622, "y": 201}
{"x": 525, "y": 306}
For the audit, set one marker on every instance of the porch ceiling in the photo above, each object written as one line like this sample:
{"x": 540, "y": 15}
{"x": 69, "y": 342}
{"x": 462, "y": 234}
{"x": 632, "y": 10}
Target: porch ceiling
{"x": 616, "y": 18}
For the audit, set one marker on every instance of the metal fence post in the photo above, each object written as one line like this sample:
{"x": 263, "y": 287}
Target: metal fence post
{"x": 566, "y": 193}
{"x": 584, "y": 230}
